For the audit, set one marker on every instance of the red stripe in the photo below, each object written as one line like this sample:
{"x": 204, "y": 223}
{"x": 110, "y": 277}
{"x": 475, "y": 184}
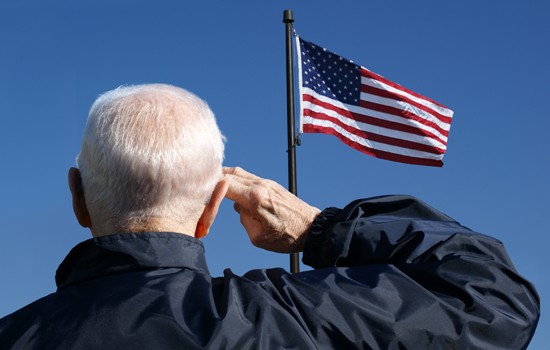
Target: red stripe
{"x": 373, "y": 152}
{"x": 401, "y": 113}
{"x": 368, "y": 74}
{"x": 376, "y": 137}
{"x": 376, "y": 121}
{"x": 388, "y": 94}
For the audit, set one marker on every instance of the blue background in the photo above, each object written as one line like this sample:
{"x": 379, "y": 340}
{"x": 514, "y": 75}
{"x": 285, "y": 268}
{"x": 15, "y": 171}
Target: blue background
{"x": 486, "y": 60}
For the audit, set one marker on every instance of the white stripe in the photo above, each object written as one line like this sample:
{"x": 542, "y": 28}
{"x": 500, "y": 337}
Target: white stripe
{"x": 397, "y": 134}
{"x": 376, "y": 114}
{"x": 404, "y": 106}
{"x": 378, "y": 84}
{"x": 371, "y": 144}
{"x": 300, "y": 92}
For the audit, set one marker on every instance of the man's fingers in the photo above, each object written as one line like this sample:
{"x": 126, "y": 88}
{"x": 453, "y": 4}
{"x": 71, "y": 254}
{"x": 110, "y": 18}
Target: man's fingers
{"x": 244, "y": 181}
{"x": 237, "y": 192}
{"x": 241, "y": 185}
{"x": 239, "y": 172}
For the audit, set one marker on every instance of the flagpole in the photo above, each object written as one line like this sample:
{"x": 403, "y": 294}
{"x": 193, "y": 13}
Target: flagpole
{"x": 288, "y": 19}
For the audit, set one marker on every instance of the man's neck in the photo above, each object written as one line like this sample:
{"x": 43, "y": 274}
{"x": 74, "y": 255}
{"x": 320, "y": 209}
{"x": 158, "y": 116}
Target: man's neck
{"x": 144, "y": 225}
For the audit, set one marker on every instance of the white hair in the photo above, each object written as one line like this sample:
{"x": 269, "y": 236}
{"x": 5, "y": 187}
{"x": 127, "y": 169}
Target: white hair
{"x": 148, "y": 151}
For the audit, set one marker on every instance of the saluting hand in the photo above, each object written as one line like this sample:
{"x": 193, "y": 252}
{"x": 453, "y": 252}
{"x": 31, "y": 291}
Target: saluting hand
{"x": 274, "y": 218}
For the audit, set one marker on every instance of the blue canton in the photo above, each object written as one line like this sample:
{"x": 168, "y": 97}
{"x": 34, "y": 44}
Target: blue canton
{"x": 329, "y": 74}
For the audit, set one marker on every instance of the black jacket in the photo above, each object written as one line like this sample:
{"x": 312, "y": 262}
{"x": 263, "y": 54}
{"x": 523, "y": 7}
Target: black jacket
{"x": 391, "y": 273}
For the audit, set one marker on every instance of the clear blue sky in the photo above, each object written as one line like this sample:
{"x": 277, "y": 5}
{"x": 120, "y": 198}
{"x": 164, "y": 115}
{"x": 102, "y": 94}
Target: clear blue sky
{"x": 486, "y": 60}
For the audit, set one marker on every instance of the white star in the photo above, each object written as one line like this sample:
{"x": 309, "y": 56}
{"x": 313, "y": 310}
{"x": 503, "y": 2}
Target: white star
{"x": 345, "y": 87}
{"x": 344, "y": 97}
{"x": 350, "y": 93}
{"x": 329, "y": 67}
{"x": 328, "y": 88}
{"x": 339, "y": 91}
{"x": 328, "y": 78}
{"x": 339, "y": 80}
{"x": 345, "y": 75}
{"x": 340, "y": 69}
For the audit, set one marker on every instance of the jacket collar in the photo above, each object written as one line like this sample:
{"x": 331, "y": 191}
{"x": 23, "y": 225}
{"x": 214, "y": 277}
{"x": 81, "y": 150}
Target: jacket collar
{"x": 129, "y": 252}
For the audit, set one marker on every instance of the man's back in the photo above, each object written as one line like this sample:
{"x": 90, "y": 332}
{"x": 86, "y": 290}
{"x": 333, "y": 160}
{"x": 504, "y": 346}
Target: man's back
{"x": 413, "y": 281}
{"x": 149, "y": 291}
{"x": 152, "y": 291}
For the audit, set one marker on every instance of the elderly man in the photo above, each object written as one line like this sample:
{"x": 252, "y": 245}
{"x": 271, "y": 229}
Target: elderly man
{"x": 390, "y": 272}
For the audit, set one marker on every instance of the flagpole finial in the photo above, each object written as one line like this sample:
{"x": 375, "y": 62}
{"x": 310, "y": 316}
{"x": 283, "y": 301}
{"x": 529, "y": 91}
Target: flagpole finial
{"x": 288, "y": 17}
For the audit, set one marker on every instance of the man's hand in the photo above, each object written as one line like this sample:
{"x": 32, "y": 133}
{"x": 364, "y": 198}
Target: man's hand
{"x": 274, "y": 218}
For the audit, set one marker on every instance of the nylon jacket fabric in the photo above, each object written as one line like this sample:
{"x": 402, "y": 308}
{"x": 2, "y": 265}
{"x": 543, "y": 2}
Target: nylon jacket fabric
{"x": 390, "y": 273}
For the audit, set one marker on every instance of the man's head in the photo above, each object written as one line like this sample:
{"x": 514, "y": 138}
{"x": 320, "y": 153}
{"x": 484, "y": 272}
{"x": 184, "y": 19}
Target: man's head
{"x": 150, "y": 158}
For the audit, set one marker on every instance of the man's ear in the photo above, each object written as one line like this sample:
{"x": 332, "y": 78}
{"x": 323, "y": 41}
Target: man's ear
{"x": 211, "y": 209}
{"x": 79, "y": 203}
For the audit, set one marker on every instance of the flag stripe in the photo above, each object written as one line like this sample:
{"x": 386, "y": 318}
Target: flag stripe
{"x": 375, "y": 153}
{"x": 388, "y": 121}
{"x": 373, "y": 134}
{"x": 403, "y": 114}
{"x": 375, "y": 145}
{"x": 385, "y": 84}
{"x": 377, "y": 110}
{"x": 346, "y": 118}
{"x": 404, "y": 107}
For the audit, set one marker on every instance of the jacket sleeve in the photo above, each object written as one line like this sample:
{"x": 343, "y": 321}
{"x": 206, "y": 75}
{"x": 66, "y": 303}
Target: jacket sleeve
{"x": 394, "y": 273}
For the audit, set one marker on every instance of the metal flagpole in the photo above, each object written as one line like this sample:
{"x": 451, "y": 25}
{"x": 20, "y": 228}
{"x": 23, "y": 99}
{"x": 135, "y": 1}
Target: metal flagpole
{"x": 288, "y": 19}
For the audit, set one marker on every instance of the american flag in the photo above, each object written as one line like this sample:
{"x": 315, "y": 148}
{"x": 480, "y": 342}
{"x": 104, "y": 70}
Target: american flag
{"x": 367, "y": 111}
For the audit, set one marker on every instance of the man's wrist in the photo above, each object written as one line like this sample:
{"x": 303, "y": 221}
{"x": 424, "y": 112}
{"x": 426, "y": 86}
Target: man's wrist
{"x": 317, "y": 235}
